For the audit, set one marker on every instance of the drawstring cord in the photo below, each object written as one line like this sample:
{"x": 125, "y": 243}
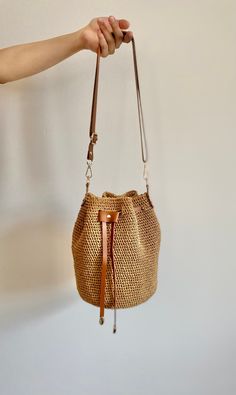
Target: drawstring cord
{"x": 105, "y": 217}
{"x": 114, "y": 273}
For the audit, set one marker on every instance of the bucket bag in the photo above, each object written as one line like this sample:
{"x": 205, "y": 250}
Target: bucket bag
{"x": 116, "y": 237}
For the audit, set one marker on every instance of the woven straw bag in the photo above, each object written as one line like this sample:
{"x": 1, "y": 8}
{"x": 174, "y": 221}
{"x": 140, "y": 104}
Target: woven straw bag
{"x": 116, "y": 238}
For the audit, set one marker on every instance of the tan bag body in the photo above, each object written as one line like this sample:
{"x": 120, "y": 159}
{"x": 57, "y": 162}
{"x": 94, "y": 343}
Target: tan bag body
{"x": 116, "y": 238}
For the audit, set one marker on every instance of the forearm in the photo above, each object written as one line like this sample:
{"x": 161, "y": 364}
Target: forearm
{"x": 24, "y": 60}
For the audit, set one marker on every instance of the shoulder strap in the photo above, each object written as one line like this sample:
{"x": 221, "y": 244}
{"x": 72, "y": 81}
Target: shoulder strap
{"x": 92, "y": 129}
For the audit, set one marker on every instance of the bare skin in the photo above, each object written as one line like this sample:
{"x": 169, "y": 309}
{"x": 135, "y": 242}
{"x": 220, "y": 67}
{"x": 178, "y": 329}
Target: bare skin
{"x": 23, "y": 60}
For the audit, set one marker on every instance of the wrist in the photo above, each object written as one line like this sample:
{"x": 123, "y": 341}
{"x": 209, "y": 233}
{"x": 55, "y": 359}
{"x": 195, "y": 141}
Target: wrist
{"x": 79, "y": 41}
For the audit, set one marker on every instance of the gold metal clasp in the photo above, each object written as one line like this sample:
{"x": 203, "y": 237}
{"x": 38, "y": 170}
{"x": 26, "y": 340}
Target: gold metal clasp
{"x": 88, "y": 174}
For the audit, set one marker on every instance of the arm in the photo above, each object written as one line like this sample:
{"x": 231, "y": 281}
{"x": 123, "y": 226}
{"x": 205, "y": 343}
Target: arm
{"x": 24, "y": 60}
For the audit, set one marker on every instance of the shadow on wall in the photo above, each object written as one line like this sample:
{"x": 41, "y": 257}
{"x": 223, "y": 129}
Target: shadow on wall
{"x": 34, "y": 256}
{"x": 36, "y": 271}
{"x": 36, "y": 264}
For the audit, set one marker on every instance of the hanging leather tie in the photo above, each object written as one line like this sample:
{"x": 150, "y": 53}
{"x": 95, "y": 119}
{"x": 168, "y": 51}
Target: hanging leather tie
{"x": 107, "y": 216}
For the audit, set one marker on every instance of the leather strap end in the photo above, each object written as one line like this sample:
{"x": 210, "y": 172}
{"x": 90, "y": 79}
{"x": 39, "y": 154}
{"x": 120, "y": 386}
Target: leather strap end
{"x": 90, "y": 152}
{"x": 108, "y": 216}
{"x": 93, "y": 140}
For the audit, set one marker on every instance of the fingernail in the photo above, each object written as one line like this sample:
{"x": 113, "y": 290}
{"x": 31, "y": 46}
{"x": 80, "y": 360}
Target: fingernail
{"x": 112, "y": 19}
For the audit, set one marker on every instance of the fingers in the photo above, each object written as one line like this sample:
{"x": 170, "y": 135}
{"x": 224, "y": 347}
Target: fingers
{"x": 118, "y": 35}
{"x": 103, "y": 44}
{"x": 123, "y": 25}
{"x": 106, "y": 31}
{"x": 110, "y": 34}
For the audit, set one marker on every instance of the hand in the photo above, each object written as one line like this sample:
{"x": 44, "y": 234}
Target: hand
{"x": 107, "y": 33}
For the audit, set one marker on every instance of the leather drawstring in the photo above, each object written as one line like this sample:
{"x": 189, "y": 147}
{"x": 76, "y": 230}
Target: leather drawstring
{"x": 111, "y": 216}
{"x": 114, "y": 272}
{"x": 104, "y": 217}
{"x": 104, "y": 272}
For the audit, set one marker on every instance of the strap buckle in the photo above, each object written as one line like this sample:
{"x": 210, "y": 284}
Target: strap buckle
{"x": 93, "y": 140}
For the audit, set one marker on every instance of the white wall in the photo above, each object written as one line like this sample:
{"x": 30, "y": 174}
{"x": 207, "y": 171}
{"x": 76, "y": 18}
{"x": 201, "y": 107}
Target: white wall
{"x": 182, "y": 341}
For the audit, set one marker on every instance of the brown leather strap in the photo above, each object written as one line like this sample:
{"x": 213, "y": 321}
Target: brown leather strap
{"x": 105, "y": 216}
{"x": 143, "y": 138}
{"x": 92, "y": 131}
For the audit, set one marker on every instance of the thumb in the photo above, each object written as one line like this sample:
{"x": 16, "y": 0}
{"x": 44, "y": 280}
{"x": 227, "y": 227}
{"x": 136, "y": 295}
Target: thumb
{"x": 123, "y": 23}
